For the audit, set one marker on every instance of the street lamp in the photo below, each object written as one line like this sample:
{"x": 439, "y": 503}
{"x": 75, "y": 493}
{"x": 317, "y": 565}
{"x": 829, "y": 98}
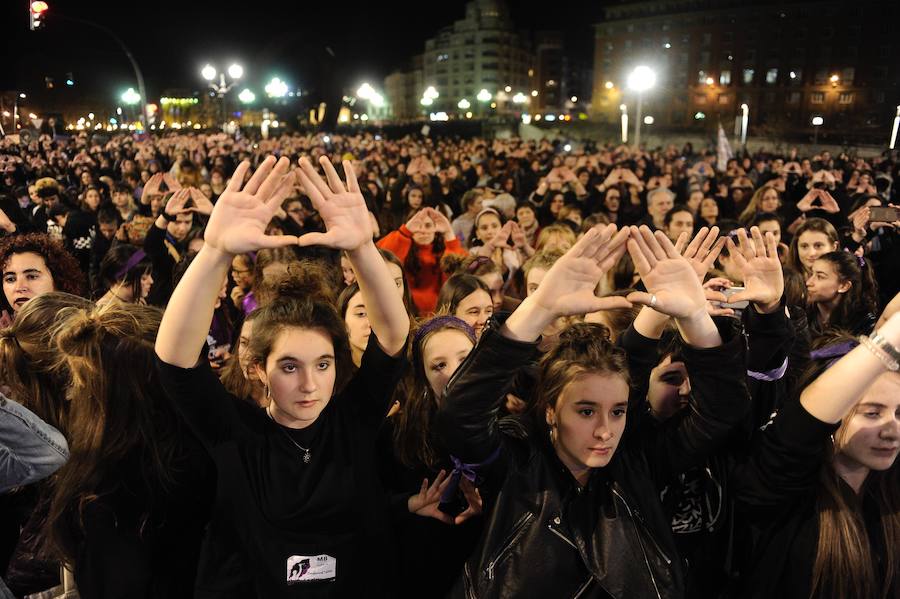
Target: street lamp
{"x": 246, "y": 96}
{"x": 129, "y": 96}
{"x": 276, "y": 88}
{"x": 464, "y": 104}
{"x": 519, "y": 98}
{"x": 894, "y": 130}
{"x": 640, "y": 80}
{"x": 222, "y": 87}
{"x": 624, "y": 110}
{"x": 235, "y": 71}
{"x": 484, "y": 96}
{"x": 817, "y": 122}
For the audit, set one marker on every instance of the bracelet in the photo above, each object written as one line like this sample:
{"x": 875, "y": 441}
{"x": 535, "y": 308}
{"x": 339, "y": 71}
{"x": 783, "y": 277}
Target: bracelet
{"x": 888, "y": 348}
{"x": 879, "y": 352}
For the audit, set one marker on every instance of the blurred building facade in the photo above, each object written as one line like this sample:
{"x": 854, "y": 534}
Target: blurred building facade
{"x": 787, "y": 61}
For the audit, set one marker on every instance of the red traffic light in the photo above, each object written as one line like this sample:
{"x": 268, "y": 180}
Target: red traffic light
{"x": 39, "y": 6}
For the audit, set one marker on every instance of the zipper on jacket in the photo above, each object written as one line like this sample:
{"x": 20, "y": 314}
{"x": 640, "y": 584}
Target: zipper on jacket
{"x": 641, "y": 543}
{"x": 517, "y": 528}
{"x": 583, "y": 588}
{"x": 467, "y": 579}
{"x": 559, "y": 534}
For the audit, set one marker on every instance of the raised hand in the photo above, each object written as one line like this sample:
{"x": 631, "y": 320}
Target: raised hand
{"x": 520, "y": 241}
{"x": 426, "y": 501}
{"x": 239, "y": 219}
{"x": 441, "y": 224}
{"x": 171, "y": 183}
{"x": 202, "y": 205}
{"x": 502, "y": 237}
{"x": 702, "y": 251}
{"x": 829, "y": 204}
{"x": 419, "y": 221}
{"x": 342, "y": 208}
{"x": 473, "y": 498}
{"x": 151, "y": 188}
{"x": 758, "y": 259}
{"x": 176, "y": 203}
{"x": 671, "y": 281}
{"x": 806, "y": 203}
{"x": 568, "y": 287}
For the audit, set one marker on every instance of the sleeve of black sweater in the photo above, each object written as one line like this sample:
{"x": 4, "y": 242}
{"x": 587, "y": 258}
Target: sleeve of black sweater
{"x": 467, "y": 420}
{"x": 642, "y": 358}
{"x": 785, "y": 459}
{"x": 719, "y": 401}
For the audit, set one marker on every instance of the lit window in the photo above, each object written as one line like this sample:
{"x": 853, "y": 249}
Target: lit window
{"x": 816, "y": 98}
{"x": 846, "y": 98}
{"x": 748, "y": 76}
{"x": 725, "y": 78}
{"x": 772, "y": 76}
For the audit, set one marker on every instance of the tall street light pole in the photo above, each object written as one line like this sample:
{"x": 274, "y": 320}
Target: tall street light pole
{"x": 640, "y": 80}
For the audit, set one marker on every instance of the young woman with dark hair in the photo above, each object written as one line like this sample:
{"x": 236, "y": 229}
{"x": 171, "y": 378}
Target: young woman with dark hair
{"x": 469, "y": 299}
{"x": 126, "y": 275}
{"x": 571, "y": 496}
{"x": 841, "y": 293}
{"x": 821, "y": 489}
{"x": 299, "y": 481}
{"x": 34, "y": 264}
{"x": 420, "y": 244}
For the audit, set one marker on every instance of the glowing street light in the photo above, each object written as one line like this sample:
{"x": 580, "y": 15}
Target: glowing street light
{"x": 208, "y": 72}
{"x": 276, "y": 88}
{"x": 608, "y": 85}
{"x": 130, "y": 96}
{"x": 485, "y": 96}
{"x": 365, "y": 91}
{"x": 534, "y": 93}
{"x": 431, "y": 92}
{"x": 624, "y": 110}
{"x": 648, "y": 120}
{"x": 246, "y": 96}
{"x": 235, "y": 71}
{"x": 519, "y": 98}
{"x": 834, "y": 79}
{"x": 641, "y": 79}
{"x": 817, "y": 122}
{"x": 464, "y": 104}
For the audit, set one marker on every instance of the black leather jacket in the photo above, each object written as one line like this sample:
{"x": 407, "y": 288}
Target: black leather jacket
{"x": 544, "y": 536}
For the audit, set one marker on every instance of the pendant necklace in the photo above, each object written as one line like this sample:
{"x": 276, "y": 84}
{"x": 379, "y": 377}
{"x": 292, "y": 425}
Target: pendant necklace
{"x": 306, "y": 455}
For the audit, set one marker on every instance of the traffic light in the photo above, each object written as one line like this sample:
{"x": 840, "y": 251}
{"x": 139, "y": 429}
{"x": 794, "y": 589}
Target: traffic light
{"x": 36, "y": 10}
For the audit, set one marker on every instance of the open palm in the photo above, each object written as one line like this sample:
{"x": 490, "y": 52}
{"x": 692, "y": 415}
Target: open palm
{"x": 342, "y": 208}
{"x": 758, "y": 259}
{"x": 667, "y": 275}
{"x": 239, "y": 219}
{"x": 702, "y": 251}
{"x": 568, "y": 288}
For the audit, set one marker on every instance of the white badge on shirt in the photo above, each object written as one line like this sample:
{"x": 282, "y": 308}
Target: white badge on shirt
{"x": 306, "y": 568}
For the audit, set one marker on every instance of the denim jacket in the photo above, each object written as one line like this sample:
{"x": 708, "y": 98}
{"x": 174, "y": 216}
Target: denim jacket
{"x": 30, "y": 449}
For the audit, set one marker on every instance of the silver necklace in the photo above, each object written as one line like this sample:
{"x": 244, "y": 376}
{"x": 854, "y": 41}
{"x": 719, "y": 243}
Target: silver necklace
{"x": 306, "y": 455}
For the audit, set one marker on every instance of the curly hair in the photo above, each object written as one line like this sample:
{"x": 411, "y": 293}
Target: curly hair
{"x": 67, "y": 276}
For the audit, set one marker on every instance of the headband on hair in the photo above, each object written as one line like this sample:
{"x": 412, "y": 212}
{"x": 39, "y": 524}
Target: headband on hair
{"x": 440, "y": 321}
{"x": 860, "y": 261}
{"x": 132, "y": 262}
{"x": 835, "y": 352}
{"x": 485, "y": 210}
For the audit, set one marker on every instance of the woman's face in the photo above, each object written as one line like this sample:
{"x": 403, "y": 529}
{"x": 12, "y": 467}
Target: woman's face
{"x": 556, "y": 204}
{"x": 397, "y": 275}
{"x": 25, "y": 276}
{"x": 347, "y": 271}
{"x": 244, "y": 351}
{"x": 442, "y": 353}
{"x": 120, "y": 199}
{"x": 425, "y": 236}
{"x": 92, "y": 199}
{"x": 86, "y": 178}
{"x": 414, "y": 199}
{"x": 533, "y": 279}
{"x": 811, "y": 245}
{"x": 612, "y": 200}
{"x": 773, "y": 227}
{"x": 357, "y": 321}
{"x": 494, "y": 282}
{"x": 295, "y": 211}
{"x": 694, "y": 201}
{"x": 870, "y": 435}
{"x": 242, "y": 272}
{"x": 525, "y": 216}
{"x": 588, "y": 420}
{"x": 146, "y": 284}
{"x": 556, "y": 242}
{"x": 300, "y": 373}
{"x": 476, "y": 308}
{"x": 709, "y": 210}
{"x": 824, "y": 284}
{"x": 769, "y": 201}
{"x": 488, "y": 227}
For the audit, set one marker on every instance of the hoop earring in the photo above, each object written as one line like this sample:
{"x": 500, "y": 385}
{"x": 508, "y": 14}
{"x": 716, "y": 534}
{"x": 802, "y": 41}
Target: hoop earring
{"x": 268, "y": 392}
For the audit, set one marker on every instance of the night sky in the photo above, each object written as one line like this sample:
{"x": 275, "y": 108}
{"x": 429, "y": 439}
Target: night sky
{"x": 173, "y": 40}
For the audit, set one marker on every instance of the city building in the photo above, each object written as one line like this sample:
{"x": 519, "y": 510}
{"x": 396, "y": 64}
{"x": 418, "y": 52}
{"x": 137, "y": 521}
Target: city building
{"x": 482, "y": 51}
{"x": 787, "y": 62}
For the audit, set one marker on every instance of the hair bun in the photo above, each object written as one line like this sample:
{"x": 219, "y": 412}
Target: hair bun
{"x": 581, "y": 335}
{"x": 306, "y": 280}
{"x": 452, "y": 263}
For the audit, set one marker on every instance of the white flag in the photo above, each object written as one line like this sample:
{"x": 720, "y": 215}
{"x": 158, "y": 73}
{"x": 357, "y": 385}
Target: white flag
{"x": 723, "y": 150}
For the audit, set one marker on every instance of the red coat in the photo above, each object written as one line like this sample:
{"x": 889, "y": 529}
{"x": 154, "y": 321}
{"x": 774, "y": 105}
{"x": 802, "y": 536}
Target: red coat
{"x": 424, "y": 286}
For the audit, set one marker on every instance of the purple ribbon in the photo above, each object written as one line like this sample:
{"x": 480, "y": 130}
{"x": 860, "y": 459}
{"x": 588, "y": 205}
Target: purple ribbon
{"x": 450, "y": 321}
{"x": 132, "y": 262}
{"x": 769, "y": 375}
{"x": 460, "y": 469}
{"x": 835, "y": 352}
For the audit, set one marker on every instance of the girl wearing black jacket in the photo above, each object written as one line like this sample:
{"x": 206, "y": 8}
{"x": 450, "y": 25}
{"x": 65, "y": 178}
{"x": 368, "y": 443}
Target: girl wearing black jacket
{"x": 829, "y": 528}
{"x": 298, "y": 480}
{"x": 570, "y": 499}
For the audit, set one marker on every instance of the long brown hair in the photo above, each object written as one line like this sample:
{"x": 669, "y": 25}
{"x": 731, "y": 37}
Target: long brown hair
{"x": 844, "y": 564}
{"x": 118, "y": 415}
{"x": 815, "y": 225}
{"x": 28, "y": 361}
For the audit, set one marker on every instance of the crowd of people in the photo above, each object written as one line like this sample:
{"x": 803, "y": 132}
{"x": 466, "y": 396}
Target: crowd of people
{"x": 347, "y": 365}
